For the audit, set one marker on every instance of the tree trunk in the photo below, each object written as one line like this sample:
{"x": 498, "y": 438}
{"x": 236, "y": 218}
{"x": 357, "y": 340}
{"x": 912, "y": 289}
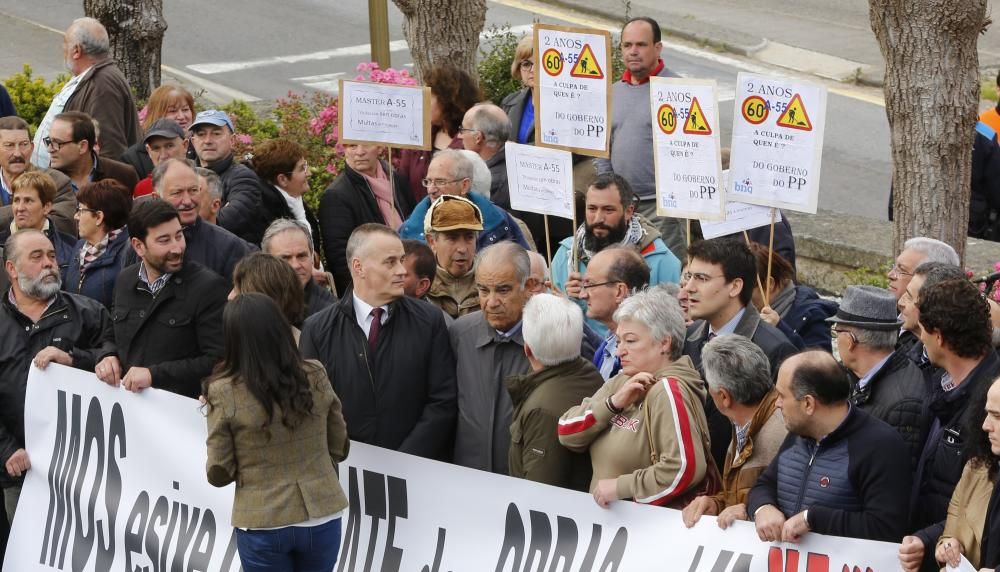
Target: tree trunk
{"x": 443, "y": 32}
{"x": 931, "y": 99}
{"x": 135, "y": 28}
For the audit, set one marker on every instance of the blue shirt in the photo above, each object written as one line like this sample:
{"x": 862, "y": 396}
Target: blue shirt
{"x": 527, "y": 125}
{"x": 871, "y": 373}
{"x": 730, "y": 326}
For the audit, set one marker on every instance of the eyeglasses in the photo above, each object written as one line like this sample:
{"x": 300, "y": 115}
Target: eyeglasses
{"x": 428, "y": 183}
{"x": 698, "y": 277}
{"x": 55, "y": 143}
{"x": 899, "y": 271}
{"x": 587, "y": 286}
{"x": 527, "y": 65}
{"x": 10, "y": 145}
{"x": 303, "y": 169}
{"x": 464, "y": 129}
{"x": 83, "y": 210}
{"x": 834, "y": 332}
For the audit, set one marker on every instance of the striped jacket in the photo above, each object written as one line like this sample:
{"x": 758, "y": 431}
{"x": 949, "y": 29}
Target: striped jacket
{"x": 620, "y": 446}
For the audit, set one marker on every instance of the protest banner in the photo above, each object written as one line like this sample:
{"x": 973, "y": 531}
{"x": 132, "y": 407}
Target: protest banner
{"x": 541, "y": 181}
{"x": 777, "y": 146}
{"x": 118, "y": 483}
{"x": 572, "y": 87}
{"x": 688, "y": 159}
{"x": 393, "y": 115}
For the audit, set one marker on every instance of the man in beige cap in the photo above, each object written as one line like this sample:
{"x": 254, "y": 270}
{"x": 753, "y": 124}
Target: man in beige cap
{"x": 452, "y": 226}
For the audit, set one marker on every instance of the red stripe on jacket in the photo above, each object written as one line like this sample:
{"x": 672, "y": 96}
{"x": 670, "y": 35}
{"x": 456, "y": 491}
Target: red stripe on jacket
{"x": 577, "y": 424}
{"x": 688, "y": 459}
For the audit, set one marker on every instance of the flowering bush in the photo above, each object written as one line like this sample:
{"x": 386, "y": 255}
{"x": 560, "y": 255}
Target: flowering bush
{"x": 994, "y": 293}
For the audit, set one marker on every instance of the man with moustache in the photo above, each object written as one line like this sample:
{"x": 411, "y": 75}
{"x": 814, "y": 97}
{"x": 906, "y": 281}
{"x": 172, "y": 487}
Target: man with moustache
{"x": 387, "y": 354}
{"x": 611, "y": 220}
{"x": 40, "y": 323}
{"x": 167, "y": 310}
{"x": 15, "y": 159}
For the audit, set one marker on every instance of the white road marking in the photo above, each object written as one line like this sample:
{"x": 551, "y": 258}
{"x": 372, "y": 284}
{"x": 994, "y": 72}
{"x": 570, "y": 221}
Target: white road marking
{"x": 215, "y": 92}
{"x": 347, "y": 51}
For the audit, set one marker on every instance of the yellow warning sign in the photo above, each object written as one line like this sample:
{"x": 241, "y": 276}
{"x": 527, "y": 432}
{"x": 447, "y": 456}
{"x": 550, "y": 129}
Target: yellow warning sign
{"x": 586, "y": 65}
{"x": 795, "y": 116}
{"x": 696, "y": 123}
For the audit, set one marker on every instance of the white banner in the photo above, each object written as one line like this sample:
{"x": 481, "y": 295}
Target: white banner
{"x": 540, "y": 180}
{"x": 777, "y": 145}
{"x": 395, "y": 115}
{"x": 688, "y": 160}
{"x": 739, "y": 217}
{"x": 103, "y": 459}
{"x": 572, "y": 87}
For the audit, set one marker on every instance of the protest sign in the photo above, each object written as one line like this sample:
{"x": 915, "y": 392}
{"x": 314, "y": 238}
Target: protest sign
{"x": 777, "y": 147}
{"x": 688, "y": 160}
{"x": 118, "y": 482}
{"x": 393, "y": 115}
{"x": 540, "y": 179}
{"x": 572, "y": 87}
{"x": 739, "y": 217}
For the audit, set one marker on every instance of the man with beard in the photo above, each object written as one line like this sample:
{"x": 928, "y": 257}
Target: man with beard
{"x": 40, "y": 323}
{"x": 611, "y": 220}
{"x": 167, "y": 311}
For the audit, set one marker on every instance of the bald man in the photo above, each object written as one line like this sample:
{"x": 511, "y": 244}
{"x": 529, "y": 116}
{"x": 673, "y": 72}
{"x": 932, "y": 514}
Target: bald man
{"x": 97, "y": 88}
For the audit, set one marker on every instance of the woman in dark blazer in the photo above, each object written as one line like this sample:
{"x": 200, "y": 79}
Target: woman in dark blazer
{"x": 101, "y": 252}
{"x": 275, "y": 428}
{"x": 359, "y": 195}
{"x": 519, "y": 106}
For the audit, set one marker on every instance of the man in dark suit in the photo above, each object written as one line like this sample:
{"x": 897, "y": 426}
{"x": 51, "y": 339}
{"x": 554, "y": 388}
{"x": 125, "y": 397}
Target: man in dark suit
{"x": 167, "y": 312}
{"x": 720, "y": 280}
{"x": 387, "y": 355}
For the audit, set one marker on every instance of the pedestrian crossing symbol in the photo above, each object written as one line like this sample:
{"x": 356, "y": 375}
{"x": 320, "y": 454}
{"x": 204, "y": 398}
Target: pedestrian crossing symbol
{"x": 795, "y": 116}
{"x": 696, "y": 123}
{"x": 586, "y": 65}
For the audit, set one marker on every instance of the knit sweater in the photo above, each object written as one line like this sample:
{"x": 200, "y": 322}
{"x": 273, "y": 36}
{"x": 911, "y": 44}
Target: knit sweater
{"x": 632, "y": 137}
{"x": 619, "y": 444}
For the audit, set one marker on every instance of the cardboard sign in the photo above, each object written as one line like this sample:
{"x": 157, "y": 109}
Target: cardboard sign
{"x": 394, "y": 115}
{"x": 572, "y": 87}
{"x": 540, "y": 180}
{"x": 777, "y": 144}
{"x": 687, "y": 160}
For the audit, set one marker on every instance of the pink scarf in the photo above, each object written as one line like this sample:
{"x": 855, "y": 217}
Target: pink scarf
{"x": 382, "y": 189}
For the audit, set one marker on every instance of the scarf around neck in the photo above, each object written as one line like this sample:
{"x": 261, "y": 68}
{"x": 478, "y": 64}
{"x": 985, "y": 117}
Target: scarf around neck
{"x": 633, "y": 237}
{"x": 382, "y": 189}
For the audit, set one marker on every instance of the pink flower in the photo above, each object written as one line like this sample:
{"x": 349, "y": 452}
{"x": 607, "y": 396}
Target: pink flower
{"x": 244, "y": 139}
{"x": 143, "y": 112}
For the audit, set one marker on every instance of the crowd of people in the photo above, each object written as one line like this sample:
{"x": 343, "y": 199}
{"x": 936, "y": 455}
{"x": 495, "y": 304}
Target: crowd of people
{"x": 413, "y": 312}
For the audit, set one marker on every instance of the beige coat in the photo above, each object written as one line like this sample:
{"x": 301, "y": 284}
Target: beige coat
{"x": 285, "y": 479}
{"x": 967, "y": 511}
{"x": 456, "y": 296}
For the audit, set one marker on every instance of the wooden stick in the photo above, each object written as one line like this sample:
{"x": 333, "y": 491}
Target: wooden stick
{"x": 574, "y": 253}
{"x": 759, "y": 286}
{"x": 548, "y": 241}
{"x": 689, "y": 231}
{"x": 770, "y": 251}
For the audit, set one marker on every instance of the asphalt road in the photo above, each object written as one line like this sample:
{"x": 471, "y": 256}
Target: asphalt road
{"x": 262, "y": 49}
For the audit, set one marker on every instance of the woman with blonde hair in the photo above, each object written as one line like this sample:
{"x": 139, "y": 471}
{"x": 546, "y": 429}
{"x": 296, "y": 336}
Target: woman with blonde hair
{"x": 167, "y": 101}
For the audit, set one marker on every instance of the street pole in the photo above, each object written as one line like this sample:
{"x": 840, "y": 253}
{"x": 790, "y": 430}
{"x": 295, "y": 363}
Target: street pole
{"x": 378, "y": 29}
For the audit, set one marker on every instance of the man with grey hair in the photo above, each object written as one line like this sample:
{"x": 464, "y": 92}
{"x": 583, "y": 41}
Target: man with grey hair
{"x": 97, "y": 88}
{"x": 885, "y": 383}
{"x": 739, "y": 382}
{"x": 387, "y": 354}
{"x": 43, "y": 325}
{"x": 215, "y": 248}
{"x": 559, "y": 379}
{"x": 290, "y": 241}
{"x": 613, "y": 275}
{"x": 915, "y": 252}
{"x": 909, "y": 344}
{"x": 211, "y": 194}
{"x": 489, "y": 348}
{"x": 539, "y": 272}
{"x": 451, "y": 173}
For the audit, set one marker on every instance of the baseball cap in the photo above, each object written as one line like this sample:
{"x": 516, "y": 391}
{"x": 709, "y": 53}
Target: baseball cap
{"x": 212, "y": 117}
{"x": 166, "y": 128}
{"x": 452, "y": 212}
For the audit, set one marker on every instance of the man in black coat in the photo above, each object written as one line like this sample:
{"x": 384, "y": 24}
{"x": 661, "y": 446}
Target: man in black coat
{"x": 388, "y": 356}
{"x": 241, "y": 212}
{"x": 167, "y": 312}
{"x": 39, "y": 323}
{"x": 720, "y": 280}
{"x": 884, "y": 383}
{"x": 289, "y": 240}
{"x": 956, "y": 331}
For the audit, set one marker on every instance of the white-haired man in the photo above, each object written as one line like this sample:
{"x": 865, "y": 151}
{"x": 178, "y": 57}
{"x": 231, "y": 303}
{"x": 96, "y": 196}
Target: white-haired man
{"x": 915, "y": 252}
{"x": 559, "y": 379}
{"x": 97, "y": 88}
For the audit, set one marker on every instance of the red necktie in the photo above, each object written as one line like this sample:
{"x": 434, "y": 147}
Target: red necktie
{"x": 374, "y": 329}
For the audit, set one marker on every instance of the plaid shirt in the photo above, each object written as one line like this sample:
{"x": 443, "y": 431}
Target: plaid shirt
{"x": 91, "y": 252}
{"x": 157, "y": 284}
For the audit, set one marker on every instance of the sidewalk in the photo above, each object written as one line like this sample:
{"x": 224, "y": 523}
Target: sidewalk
{"x": 828, "y": 39}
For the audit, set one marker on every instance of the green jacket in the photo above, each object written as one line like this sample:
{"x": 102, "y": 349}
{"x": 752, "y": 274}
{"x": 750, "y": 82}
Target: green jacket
{"x": 539, "y": 399}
